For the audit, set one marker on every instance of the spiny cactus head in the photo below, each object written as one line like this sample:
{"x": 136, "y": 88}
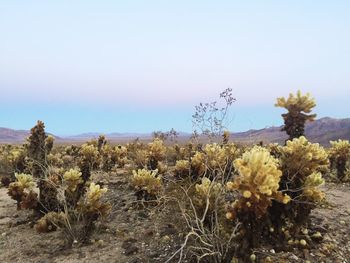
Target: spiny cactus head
{"x": 257, "y": 181}
{"x": 148, "y": 181}
{"x": 301, "y": 157}
{"x": 72, "y": 179}
{"x": 311, "y": 190}
{"x": 298, "y": 102}
{"x": 50, "y": 222}
{"x": 25, "y": 181}
{"x": 89, "y": 152}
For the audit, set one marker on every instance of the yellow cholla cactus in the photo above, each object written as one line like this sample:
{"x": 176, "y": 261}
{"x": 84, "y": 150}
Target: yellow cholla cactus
{"x": 275, "y": 149}
{"x": 182, "y": 168}
{"x": 15, "y": 155}
{"x": 89, "y": 152}
{"x": 92, "y": 203}
{"x": 215, "y": 156}
{"x": 301, "y": 157}
{"x": 25, "y": 181}
{"x": 225, "y": 137}
{"x": 198, "y": 163}
{"x": 231, "y": 150}
{"x": 339, "y": 155}
{"x": 298, "y": 108}
{"x": 50, "y": 222}
{"x": 95, "y": 193}
{"x": 147, "y": 181}
{"x": 207, "y": 191}
{"x": 22, "y": 191}
{"x": 156, "y": 150}
{"x": 258, "y": 182}
{"x": 340, "y": 148}
{"x": 72, "y": 179}
{"x": 311, "y": 191}
{"x": 121, "y": 151}
{"x": 297, "y": 102}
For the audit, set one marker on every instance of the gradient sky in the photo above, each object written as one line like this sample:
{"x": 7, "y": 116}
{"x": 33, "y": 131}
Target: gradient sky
{"x": 139, "y": 66}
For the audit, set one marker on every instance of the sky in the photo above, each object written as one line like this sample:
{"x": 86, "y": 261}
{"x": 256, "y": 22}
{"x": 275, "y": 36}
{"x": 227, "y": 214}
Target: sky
{"x": 139, "y": 66}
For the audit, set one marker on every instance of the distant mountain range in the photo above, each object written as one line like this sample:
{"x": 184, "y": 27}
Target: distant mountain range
{"x": 322, "y": 131}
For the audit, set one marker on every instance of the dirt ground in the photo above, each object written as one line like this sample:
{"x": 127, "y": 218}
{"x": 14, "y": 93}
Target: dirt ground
{"x": 133, "y": 235}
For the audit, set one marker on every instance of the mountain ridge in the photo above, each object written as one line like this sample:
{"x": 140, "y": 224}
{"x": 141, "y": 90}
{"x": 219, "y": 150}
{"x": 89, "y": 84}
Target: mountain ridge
{"x": 321, "y": 130}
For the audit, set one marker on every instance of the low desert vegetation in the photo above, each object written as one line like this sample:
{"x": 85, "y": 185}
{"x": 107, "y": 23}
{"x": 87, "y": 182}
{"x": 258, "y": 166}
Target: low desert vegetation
{"x": 228, "y": 200}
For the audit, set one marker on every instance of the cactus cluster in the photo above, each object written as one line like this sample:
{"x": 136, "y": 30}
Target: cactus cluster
{"x": 258, "y": 182}
{"x": 156, "y": 153}
{"x": 22, "y": 190}
{"x": 339, "y": 156}
{"x": 299, "y": 106}
{"x": 303, "y": 164}
{"x": 207, "y": 193}
{"x": 182, "y": 168}
{"x": 148, "y": 184}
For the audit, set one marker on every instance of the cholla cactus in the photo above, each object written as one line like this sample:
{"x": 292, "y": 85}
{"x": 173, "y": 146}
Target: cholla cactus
{"x": 216, "y": 157}
{"x": 275, "y": 149}
{"x": 121, "y": 154}
{"x": 302, "y": 164}
{"x": 22, "y": 191}
{"x": 38, "y": 150}
{"x": 198, "y": 167}
{"x": 89, "y": 152}
{"x": 140, "y": 158}
{"x": 258, "y": 182}
{"x": 225, "y": 137}
{"x": 311, "y": 190}
{"x": 302, "y": 158}
{"x": 147, "y": 184}
{"x": 89, "y": 156}
{"x": 92, "y": 204}
{"x": 49, "y": 143}
{"x": 182, "y": 168}
{"x": 298, "y": 106}
{"x": 108, "y": 157}
{"x": 50, "y": 222}
{"x": 207, "y": 193}
{"x": 339, "y": 155}
{"x": 101, "y": 141}
{"x": 156, "y": 153}
{"x": 12, "y": 159}
{"x": 72, "y": 179}
{"x": 55, "y": 159}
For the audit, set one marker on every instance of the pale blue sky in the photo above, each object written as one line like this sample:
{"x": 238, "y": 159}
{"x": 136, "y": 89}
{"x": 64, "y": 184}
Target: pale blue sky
{"x": 133, "y": 66}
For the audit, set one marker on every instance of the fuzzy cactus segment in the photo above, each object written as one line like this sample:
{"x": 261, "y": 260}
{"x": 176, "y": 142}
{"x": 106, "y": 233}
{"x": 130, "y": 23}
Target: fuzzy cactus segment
{"x": 298, "y": 107}
{"x": 147, "y": 181}
{"x": 72, "y": 178}
{"x": 207, "y": 191}
{"x": 258, "y": 182}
